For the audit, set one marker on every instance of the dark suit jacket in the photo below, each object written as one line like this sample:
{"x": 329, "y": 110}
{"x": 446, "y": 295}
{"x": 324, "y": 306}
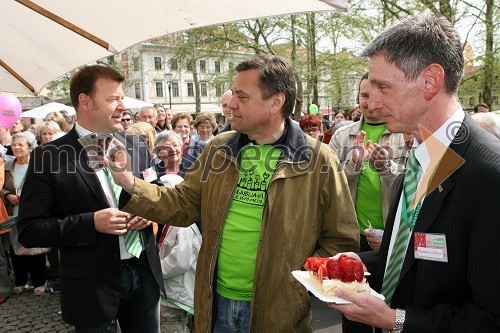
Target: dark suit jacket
{"x": 60, "y": 195}
{"x": 462, "y": 295}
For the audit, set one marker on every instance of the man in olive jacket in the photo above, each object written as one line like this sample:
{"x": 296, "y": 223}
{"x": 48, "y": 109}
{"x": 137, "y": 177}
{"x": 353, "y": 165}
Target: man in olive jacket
{"x": 268, "y": 197}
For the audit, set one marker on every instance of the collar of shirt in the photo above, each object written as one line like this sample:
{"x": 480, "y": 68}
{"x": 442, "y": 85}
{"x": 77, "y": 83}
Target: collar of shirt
{"x": 279, "y": 142}
{"x": 445, "y": 134}
{"x": 82, "y": 131}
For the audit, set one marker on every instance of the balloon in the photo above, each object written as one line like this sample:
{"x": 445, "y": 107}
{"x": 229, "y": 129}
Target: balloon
{"x": 10, "y": 110}
{"x": 313, "y": 109}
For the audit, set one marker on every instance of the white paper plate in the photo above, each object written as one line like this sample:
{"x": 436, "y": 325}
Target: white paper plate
{"x": 304, "y": 278}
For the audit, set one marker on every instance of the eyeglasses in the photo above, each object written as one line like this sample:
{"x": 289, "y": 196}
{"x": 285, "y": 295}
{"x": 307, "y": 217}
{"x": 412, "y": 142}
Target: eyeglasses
{"x": 126, "y": 119}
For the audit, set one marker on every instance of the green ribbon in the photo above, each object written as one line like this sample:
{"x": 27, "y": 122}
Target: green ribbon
{"x": 183, "y": 306}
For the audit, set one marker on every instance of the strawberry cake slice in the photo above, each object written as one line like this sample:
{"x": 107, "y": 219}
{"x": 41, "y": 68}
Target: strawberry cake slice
{"x": 329, "y": 274}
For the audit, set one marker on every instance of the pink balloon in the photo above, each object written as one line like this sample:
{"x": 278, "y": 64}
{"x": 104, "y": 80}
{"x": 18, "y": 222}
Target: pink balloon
{"x": 10, "y": 110}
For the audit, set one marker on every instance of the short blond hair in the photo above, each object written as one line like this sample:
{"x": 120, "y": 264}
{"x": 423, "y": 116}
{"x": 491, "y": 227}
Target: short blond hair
{"x": 50, "y": 125}
{"x": 58, "y": 118}
{"x": 145, "y": 131}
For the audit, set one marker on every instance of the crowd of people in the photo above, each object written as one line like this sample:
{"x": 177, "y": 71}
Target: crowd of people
{"x": 184, "y": 225}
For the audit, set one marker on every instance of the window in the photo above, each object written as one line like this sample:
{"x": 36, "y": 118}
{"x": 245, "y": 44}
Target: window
{"x": 175, "y": 89}
{"x": 173, "y": 64}
{"x": 135, "y": 64}
{"x": 217, "y": 66}
{"x": 203, "y": 89}
{"x": 159, "y": 89}
{"x": 203, "y": 66}
{"x": 137, "y": 87}
{"x": 190, "y": 89}
{"x": 157, "y": 63}
{"x": 231, "y": 65}
{"x": 189, "y": 65}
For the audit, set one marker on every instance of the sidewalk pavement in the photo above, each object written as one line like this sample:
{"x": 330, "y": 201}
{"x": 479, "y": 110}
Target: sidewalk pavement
{"x": 27, "y": 313}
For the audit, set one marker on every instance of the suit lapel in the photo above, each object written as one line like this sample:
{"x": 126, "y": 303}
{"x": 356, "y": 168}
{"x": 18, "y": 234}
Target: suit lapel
{"x": 434, "y": 200}
{"x": 87, "y": 173}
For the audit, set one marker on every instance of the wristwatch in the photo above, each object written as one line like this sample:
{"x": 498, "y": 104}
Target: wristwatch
{"x": 399, "y": 322}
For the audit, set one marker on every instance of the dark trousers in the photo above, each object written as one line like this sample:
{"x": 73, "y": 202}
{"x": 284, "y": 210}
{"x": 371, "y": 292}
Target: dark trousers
{"x": 34, "y": 265}
{"x": 139, "y": 309}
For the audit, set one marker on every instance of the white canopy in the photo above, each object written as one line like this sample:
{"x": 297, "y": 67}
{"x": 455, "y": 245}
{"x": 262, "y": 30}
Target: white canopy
{"x": 41, "y": 111}
{"x": 132, "y": 103}
{"x": 44, "y": 39}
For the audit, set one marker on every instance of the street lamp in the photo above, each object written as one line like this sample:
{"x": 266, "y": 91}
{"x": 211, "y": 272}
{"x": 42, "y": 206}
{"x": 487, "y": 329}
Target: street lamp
{"x": 168, "y": 79}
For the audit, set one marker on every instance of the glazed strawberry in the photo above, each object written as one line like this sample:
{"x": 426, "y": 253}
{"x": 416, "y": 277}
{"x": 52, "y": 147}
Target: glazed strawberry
{"x": 358, "y": 271}
{"x": 333, "y": 268}
{"x": 313, "y": 263}
{"x": 347, "y": 268}
{"x": 322, "y": 272}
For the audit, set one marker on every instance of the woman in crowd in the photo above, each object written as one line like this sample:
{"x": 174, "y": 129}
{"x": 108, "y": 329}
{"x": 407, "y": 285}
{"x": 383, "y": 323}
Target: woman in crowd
{"x": 312, "y": 125}
{"x": 182, "y": 124}
{"x": 354, "y": 114}
{"x": 168, "y": 149}
{"x": 48, "y": 131}
{"x": 24, "y": 260}
{"x": 162, "y": 123}
{"x": 145, "y": 131}
{"x": 178, "y": 247}
{"x": 5, "y": 287}
{"x": 58, "y": 118}
{"x": 339, "y": 116}
{"x": 205, "y": 124}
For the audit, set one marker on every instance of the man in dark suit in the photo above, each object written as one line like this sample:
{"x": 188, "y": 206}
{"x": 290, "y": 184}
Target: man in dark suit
{"x": 69, "y": 205}
{"x": 447, "y": 277}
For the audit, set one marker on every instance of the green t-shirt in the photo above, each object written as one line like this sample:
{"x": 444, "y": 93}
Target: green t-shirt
{"x": 240, "y": 237}
{"x": 369, "y": 195}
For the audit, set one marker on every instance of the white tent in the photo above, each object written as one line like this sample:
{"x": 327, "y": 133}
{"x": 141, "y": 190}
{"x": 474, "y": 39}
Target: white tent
{"x": 41, "y": 111}
{"x": 44, "y": 39}
{"x": 132, "y": 103}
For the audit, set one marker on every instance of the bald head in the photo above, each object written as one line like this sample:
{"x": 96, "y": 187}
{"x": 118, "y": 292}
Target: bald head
{"x": 224, "y": 100}
{"x": 489, "y": 121}
{"x": 149, "y": 115}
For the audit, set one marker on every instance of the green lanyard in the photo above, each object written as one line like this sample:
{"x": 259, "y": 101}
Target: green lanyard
{"x": 183, "y": 306}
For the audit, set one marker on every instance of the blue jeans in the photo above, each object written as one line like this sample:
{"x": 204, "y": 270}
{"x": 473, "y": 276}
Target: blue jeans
{"x": 232, "y": 316}
{"x": 139, "y": 309}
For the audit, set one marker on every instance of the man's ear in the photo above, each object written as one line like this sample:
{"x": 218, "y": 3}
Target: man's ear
{"x": 84, "y": 102}
{"x": 278, "y": 101}
{"x": 433, "y": 76}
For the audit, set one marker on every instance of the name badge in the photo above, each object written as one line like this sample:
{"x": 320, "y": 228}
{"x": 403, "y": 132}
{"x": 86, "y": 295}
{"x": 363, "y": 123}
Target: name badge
{"x": 430, "y": 247}
{"x": 149, "y": 175}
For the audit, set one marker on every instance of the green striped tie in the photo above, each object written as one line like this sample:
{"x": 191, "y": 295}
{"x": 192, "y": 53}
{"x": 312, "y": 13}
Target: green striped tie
{"x": 396, "y": 260}
{"x": 132, "y": 238}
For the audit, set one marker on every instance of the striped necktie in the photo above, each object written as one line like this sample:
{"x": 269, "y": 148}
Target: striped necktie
{"x": 132, "y": 238}
{"x": 396, "y": 260}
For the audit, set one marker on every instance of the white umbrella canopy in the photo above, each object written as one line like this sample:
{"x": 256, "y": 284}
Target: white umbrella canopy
{"x": 132, "y": 103}
{"x": 41, "y": 111}
{"x": 44, "y": 39}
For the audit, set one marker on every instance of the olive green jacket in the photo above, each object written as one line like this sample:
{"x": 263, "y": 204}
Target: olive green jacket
{"x": 308, "y": 211}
